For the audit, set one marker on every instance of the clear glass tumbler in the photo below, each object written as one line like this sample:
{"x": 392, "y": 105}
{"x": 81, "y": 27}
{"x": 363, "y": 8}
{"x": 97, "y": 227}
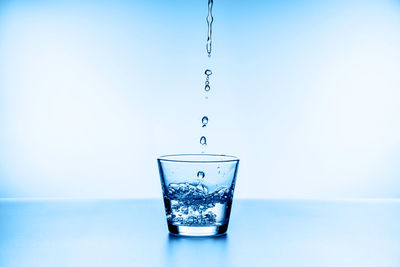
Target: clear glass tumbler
{"x": 198, "y": 192}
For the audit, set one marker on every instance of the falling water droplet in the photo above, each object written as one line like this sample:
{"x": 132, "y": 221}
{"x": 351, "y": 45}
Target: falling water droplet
{"x": 219, "y": 169}
{"x": 204, "y": 120}
{"x": 207, "y": 88}
{"x": 200, "y": 174}
{"x": 208, "y": 72}
{"x": 203, "y": 141}
{"x": 209, "y": 25}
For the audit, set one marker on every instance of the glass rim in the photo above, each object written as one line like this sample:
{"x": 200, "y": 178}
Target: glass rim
{"x": 197, "y": 158}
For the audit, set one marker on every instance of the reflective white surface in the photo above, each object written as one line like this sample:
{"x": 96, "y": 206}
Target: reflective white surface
{"x": 261, "y": 233}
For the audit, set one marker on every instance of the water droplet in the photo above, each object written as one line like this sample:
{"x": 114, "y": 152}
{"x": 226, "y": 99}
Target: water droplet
{"x": 203, "y": 141}
{"x": 200, "y": 174}
{"x": 207, "y": 88}
{"x": 207, "y": 82}
{"x": 219, "y": 169}
{"x": 208, "y": 72}
{"x": 204, "y": 120}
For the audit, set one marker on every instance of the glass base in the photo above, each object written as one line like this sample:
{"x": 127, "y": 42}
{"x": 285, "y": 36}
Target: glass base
{"x": 197, "y": 230}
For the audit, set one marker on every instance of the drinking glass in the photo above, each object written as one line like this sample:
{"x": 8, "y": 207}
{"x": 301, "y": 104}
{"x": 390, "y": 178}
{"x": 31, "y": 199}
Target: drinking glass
{"x": 198, "y": 192}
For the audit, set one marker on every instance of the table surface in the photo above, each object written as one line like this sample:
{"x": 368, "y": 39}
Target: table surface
{"x": 261, "y": 233}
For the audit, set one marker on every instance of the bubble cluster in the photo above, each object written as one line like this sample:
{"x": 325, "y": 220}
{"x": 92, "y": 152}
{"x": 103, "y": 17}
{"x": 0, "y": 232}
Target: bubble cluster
{"x": 191, "y": 204}
{"x": 187, "y": 192}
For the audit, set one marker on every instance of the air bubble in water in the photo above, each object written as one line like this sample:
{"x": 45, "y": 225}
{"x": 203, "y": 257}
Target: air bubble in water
{"x": 200, "y": 174}
{"x": 207, "y": 88}
{"x": 204, "y": 120}
{"x": 208, "y": 72}
{"x": 203, "y": 141}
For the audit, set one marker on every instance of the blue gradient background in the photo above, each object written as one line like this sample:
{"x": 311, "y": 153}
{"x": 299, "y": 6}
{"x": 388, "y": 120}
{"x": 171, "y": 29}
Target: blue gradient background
{"x": 306, "y": 93}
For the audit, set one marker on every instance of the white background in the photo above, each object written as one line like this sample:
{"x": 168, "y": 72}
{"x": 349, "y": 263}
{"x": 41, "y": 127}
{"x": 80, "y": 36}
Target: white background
{"x": 306, "y": 93}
